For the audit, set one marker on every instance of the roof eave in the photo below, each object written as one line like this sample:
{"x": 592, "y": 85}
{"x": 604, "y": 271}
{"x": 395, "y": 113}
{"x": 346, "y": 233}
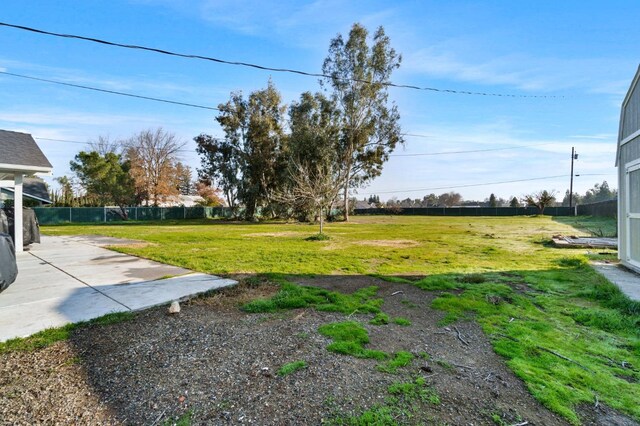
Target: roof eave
{"x": 25, "y": 169}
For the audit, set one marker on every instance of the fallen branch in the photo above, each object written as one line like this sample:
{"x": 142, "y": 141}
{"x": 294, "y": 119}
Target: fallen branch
{"x": 159, "y": 417}
{"x": 563, "y": 357}
{"x": 460, "y": 336}
{"x": 506, "y": 337}
{"x": 462, "y": 366}
{"x": 397, "y": 292}
{"x": 547, "y": 350}
{"x": 520, "y": 424}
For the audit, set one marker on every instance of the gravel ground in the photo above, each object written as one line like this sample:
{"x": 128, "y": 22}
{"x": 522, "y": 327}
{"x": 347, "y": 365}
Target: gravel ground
{"x": 221, "y": 364}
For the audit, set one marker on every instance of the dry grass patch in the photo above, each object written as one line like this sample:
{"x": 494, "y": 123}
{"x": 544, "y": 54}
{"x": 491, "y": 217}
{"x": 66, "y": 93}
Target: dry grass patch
{"x": 275, "y": 234}
{"x": 248, "y": 289}
{"x": 388, "y": 243}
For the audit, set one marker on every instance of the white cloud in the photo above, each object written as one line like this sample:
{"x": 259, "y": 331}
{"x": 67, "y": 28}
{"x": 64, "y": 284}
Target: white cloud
{"x": 454, "y": 60}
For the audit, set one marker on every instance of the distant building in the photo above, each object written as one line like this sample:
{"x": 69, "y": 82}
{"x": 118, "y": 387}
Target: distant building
{"x": 182, "y": 201}
{"x": 628, "y": 163}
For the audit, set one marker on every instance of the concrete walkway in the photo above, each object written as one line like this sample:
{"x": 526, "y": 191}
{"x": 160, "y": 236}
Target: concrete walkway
{"x": 626, "y": 280}
{"x": 70, "y": 279}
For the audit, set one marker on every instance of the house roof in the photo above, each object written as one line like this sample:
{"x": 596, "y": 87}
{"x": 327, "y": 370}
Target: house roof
{"x": 18, "y": 152}
{"x": 33, "y": 188}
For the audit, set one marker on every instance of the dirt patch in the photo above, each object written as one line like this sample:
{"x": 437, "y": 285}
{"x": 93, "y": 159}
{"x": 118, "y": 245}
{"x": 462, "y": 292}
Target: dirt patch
{"x": 221, "y": 364}
{"x": 602, "y": 415}
{"x": 389, "y": 243}
{"x": 238, "y": 295}
{"x": 49, "y": 386}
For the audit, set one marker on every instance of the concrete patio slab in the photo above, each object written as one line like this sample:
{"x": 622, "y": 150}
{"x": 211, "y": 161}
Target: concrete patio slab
{"x": 628, "y": 281}
{"x": 71, "y": 279}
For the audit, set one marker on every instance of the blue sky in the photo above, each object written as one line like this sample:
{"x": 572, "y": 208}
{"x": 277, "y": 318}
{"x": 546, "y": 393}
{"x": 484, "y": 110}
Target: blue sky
{"x": 582, "y": 53}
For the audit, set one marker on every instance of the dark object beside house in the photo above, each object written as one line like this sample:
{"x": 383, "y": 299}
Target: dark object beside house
{"x": 30, "y": 226}
{"x": 8, "y": 267}
{"x": 4, "y": 223}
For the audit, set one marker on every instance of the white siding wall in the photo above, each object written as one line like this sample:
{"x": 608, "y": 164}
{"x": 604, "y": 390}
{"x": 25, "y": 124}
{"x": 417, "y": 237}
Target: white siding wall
{"x": 628, "y": 153}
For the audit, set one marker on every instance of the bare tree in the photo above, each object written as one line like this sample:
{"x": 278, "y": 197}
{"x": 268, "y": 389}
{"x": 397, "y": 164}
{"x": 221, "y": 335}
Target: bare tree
{"x": 314, "y": 184}
{"x": 104, "y": 145}
{"x": 153, "y": 155}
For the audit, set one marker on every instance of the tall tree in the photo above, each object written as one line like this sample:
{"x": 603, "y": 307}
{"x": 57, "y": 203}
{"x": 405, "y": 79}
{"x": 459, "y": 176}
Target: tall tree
{"x": 540, "y": 199}
{"x": 430, "y": 200}
{"x": 105, "y": 178}
{"x": 514, "y": 202}
{"x": 249, "y": 164}
{"x": 153, "y": 155}
{"x": 184, "y": 179}
{"x": 449, "y": 199}
{"x": 599, "y": 192}
{"x": 315, "y": 172}
{"x": 492, "y": 200}
{"x": 265, "y": 148}
{"x": 358, "y": 76}
{"x": 65, "y": 196}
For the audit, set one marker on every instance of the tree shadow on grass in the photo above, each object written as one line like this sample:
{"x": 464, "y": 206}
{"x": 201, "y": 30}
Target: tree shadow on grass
{"x": 590, "y": 225}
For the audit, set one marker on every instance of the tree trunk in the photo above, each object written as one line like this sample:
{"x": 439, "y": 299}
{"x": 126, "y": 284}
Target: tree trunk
{"x": 346, "y": 196}
{"x": 321, "y": 220}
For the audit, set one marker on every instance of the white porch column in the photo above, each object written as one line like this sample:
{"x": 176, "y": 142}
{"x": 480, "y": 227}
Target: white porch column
{"x": 17, "y": 208}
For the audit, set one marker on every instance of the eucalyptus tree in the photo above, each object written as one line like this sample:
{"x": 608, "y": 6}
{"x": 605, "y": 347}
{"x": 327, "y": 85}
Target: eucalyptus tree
{"x": 315, "y": 173}
{"x": 358, "y": 75}
{"x": 248, "y": 163}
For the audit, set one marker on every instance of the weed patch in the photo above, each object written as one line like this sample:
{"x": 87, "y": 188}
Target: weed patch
{"x": 293, "y": 296}
{"x": 402, "y": 321}
{"x": 349, "y": 338}
{"x": 291, "y": 367}
{"x": 183, "y": 420}
{"x": 380, "y": 319}
{"x": 400, "y": 359}
{"x": 412, "y": 391}
{"x": 405, "y": 401}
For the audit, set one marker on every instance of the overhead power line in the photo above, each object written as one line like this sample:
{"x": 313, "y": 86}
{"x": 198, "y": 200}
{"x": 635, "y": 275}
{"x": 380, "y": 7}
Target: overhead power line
{"x": 260, "y": 67}
{"x": 89, "y": 143}
{"x": 467, "y": 151}
{"x": 113, "y": 92}
{"x": 392, "y": 155}
{"x": 470, "y": 185}
{"x": 481, "y": 184}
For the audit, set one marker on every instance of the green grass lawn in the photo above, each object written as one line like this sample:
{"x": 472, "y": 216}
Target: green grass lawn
{"x": 386, "y": 245}
{"x": 567, "y": 332}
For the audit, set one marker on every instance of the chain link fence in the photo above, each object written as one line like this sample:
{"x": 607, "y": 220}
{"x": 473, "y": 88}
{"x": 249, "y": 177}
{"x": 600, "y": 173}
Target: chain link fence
{"x": 57, "y": 215}
{"x": 467, "y": 211}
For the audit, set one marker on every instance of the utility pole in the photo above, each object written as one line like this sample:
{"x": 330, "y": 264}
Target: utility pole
{"x": 574, "y": 156}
